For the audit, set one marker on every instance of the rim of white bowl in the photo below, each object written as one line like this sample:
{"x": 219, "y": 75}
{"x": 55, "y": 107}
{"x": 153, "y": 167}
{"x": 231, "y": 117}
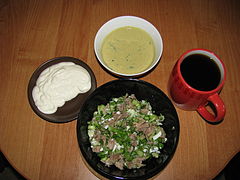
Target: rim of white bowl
{"x": 128, "y": 17}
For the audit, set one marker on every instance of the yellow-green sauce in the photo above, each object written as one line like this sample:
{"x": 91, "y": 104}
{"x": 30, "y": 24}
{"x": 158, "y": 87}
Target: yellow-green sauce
{"x": 128, "y": 50}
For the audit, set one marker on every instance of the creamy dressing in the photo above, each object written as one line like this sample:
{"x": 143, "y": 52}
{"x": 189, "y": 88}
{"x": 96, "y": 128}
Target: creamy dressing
{"x": 60, "y": 83}
{"x": 128, "y": 50}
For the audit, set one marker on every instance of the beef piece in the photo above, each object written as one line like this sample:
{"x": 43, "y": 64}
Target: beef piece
{"x": 144, "y": 111}
{"x": 97, "y": 135}
{"x": 111, "y": 143}
{"x": 113, "y": 159}
{"x": 142, "y": 126}
{"x": 119, "y": 164}
{"x": 149, "y": 131}
{"x": 96, "y": 148}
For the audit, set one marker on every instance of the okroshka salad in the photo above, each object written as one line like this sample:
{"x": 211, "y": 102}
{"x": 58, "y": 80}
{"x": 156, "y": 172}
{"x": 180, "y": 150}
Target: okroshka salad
{"x": 125, "y": 132}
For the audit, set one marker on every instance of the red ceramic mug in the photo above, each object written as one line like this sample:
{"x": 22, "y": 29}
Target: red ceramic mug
{"x": 196, "y": 80}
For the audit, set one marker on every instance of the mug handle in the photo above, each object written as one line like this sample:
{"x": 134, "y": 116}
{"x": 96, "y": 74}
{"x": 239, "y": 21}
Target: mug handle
{"x": 219, "y": 106}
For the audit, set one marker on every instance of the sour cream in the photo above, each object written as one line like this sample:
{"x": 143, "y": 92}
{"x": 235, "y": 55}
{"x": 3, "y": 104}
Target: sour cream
{"x": 60, "y": 83}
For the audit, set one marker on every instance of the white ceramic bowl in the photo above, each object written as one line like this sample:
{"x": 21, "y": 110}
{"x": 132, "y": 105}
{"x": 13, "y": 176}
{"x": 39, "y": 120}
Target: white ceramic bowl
{"x": 128, "y": 21}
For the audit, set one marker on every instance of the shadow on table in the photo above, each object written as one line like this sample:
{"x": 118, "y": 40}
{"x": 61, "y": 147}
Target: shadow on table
{"x": 7, "y": 172}
{"x": 231, "y": 171}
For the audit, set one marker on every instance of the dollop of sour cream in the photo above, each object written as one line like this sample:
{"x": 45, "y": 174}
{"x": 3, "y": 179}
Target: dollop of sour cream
{"x": 60, "y": 83}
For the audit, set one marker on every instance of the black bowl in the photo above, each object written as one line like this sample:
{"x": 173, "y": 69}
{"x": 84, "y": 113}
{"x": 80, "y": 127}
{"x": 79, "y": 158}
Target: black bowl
{"x": 143, "y": 91}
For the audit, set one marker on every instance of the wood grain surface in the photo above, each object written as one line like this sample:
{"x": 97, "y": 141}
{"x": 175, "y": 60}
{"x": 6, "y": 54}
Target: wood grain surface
{"x": 33, "y": 31}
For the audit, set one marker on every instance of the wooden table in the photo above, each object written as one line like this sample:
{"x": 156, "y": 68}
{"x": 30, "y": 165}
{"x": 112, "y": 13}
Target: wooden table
{"x": 33, "y": 31}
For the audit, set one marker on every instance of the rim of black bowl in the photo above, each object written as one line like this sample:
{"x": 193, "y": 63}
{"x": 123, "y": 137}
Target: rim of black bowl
{"x": 69, "y": 111}
{"x": 165, "y": 156}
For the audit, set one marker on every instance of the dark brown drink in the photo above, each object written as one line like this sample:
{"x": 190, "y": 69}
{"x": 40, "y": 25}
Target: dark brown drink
{"x": 200, "y": 72}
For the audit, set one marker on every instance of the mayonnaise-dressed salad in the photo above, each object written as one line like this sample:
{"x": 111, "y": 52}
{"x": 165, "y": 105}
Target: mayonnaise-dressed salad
{"x": 60, "y": 83}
